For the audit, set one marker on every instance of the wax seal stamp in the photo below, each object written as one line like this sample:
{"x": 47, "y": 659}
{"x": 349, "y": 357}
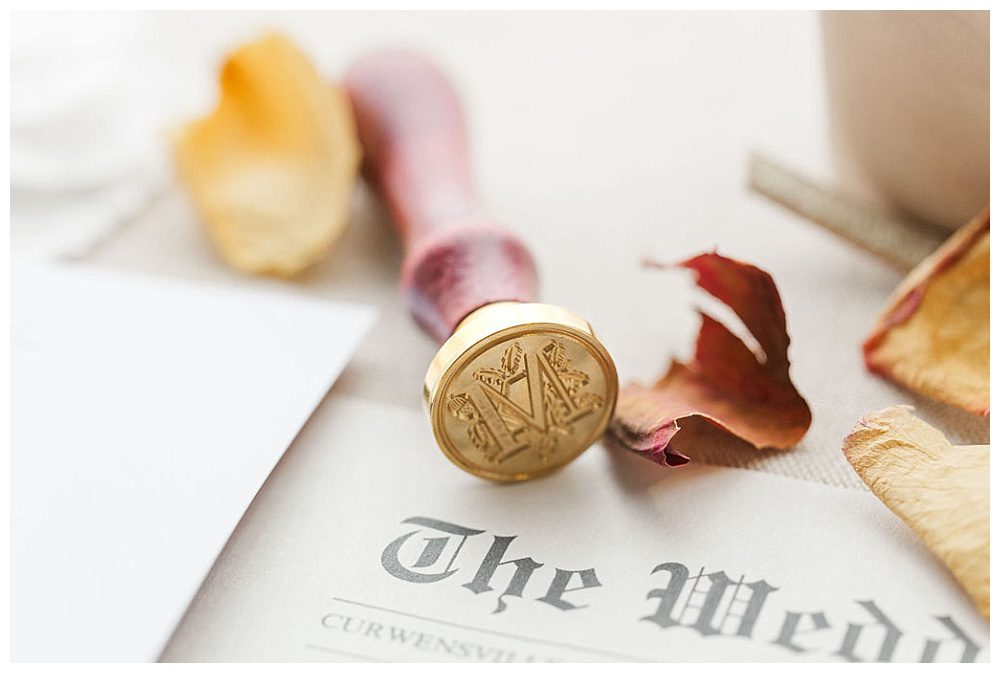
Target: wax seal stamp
{"x": 518, "y": 389}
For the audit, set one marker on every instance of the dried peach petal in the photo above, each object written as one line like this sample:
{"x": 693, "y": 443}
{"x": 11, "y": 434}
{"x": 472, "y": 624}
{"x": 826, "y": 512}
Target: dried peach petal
{"x": 272, "y": 168}
{"x": 940, "y": 490}
{"x": 934, "y": 336}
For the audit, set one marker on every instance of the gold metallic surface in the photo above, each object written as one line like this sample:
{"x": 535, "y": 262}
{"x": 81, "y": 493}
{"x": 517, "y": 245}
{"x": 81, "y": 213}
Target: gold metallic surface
{"x": 519, "y": 390}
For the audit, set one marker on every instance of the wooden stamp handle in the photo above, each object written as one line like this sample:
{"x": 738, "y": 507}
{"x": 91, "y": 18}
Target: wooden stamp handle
{"x": 413, "y": 135}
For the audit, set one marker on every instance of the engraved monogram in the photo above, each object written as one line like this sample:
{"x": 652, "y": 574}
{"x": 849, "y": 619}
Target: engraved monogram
{"x": 530, "y": 400}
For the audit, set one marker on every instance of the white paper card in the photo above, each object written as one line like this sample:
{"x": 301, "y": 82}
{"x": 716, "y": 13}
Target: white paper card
{"x": 145, "y": 416}
{"x": 367, "y": 544}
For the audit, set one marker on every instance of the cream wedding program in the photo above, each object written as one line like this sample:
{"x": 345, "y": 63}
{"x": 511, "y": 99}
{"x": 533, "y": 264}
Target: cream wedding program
{"x": 366, "y": 544}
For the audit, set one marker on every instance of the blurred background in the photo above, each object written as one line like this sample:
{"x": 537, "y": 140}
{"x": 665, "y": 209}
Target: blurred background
{"x": 584, "y": 104}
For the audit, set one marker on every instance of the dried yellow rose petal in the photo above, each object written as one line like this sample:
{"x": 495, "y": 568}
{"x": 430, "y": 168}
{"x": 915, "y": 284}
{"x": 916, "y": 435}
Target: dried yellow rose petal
{"x": 272, "y": 168}
{"x": 934, "y": 337}
{"x": 941, "y": 491}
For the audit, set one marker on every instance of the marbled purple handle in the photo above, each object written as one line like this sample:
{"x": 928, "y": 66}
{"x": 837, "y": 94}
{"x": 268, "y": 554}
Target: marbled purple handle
{"x": 413, "y": 135}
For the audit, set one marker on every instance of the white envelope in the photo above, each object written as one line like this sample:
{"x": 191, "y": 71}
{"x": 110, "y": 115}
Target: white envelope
{"x": 145, "y": 416}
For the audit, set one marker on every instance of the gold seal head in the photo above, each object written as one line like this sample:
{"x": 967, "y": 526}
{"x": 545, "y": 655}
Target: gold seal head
{"x": 519, "y": 390}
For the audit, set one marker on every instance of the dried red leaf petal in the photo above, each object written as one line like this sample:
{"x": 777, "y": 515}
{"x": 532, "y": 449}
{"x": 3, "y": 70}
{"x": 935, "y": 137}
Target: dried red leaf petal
{"x": 725, "y": 384}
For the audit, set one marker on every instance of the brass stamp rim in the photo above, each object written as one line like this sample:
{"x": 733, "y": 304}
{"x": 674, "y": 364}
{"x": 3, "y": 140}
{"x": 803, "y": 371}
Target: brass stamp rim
{"x": 483, "y": 330}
